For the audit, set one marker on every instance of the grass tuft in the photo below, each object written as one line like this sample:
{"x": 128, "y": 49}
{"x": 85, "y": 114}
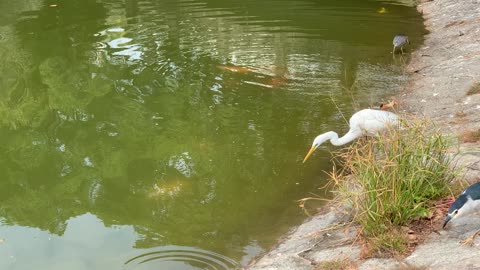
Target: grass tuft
{"x": 344, "y": 264}
{"x": 470, "y": 136}
{"x": 392, "y": 243}
{"x": 474, "y": 89}
{"x": 395, "y": 175}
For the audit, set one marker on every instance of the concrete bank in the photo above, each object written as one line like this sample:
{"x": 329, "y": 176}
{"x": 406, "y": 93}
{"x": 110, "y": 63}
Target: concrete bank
{"x": 445, "y": 87}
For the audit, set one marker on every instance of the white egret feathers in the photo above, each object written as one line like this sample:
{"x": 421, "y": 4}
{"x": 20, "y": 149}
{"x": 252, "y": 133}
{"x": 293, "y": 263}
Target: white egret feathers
{"x": 366, "y": 122}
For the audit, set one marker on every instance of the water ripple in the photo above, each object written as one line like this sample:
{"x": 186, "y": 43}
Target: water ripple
{"x": 178, "y": 257}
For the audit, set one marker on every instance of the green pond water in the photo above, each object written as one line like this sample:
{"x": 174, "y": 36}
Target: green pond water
{"x": 170, "y": 134}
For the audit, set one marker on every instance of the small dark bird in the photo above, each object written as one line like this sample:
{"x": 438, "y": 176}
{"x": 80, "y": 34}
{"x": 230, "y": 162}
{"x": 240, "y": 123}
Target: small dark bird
{"x": 467, "y": 203}
{"x": 399, "y": 41}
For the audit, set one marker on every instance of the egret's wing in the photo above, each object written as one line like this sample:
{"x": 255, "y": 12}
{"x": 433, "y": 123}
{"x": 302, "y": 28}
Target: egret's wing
{"x": 373, "y": 121}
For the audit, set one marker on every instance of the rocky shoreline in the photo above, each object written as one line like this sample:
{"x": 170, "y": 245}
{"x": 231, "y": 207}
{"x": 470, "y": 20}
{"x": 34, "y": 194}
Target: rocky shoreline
{"x": 444, "y": 86}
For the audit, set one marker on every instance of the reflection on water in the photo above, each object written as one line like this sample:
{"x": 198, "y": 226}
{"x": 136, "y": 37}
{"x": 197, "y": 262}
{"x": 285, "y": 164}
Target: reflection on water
{"x": 85, "y": 243}
{"x": 84, "y": 236}
{"x": 176, "y": 123}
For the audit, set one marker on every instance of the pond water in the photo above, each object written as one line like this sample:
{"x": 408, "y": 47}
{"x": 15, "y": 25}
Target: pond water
{"x": 170, "y": 134}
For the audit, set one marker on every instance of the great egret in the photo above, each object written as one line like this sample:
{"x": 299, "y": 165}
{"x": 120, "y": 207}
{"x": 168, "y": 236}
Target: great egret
{"x": 366, "y": 122}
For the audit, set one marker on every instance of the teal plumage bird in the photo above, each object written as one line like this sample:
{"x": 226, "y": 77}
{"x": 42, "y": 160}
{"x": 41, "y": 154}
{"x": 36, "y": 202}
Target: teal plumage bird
{"x": 399, "y": 41}
{"x": 467, "y": 203}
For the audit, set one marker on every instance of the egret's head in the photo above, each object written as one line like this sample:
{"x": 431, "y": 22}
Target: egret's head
{"x": 316, "y": 143}
{"x": 314, "y": 146}
{"x": 460, "y": 206}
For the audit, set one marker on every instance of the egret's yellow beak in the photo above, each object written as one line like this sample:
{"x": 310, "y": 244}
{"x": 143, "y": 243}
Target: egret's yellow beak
{"x": 309, "y": 153}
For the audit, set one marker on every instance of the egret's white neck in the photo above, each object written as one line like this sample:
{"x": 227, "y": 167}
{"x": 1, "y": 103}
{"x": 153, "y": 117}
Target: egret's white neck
{"x": 333, "y": 137}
